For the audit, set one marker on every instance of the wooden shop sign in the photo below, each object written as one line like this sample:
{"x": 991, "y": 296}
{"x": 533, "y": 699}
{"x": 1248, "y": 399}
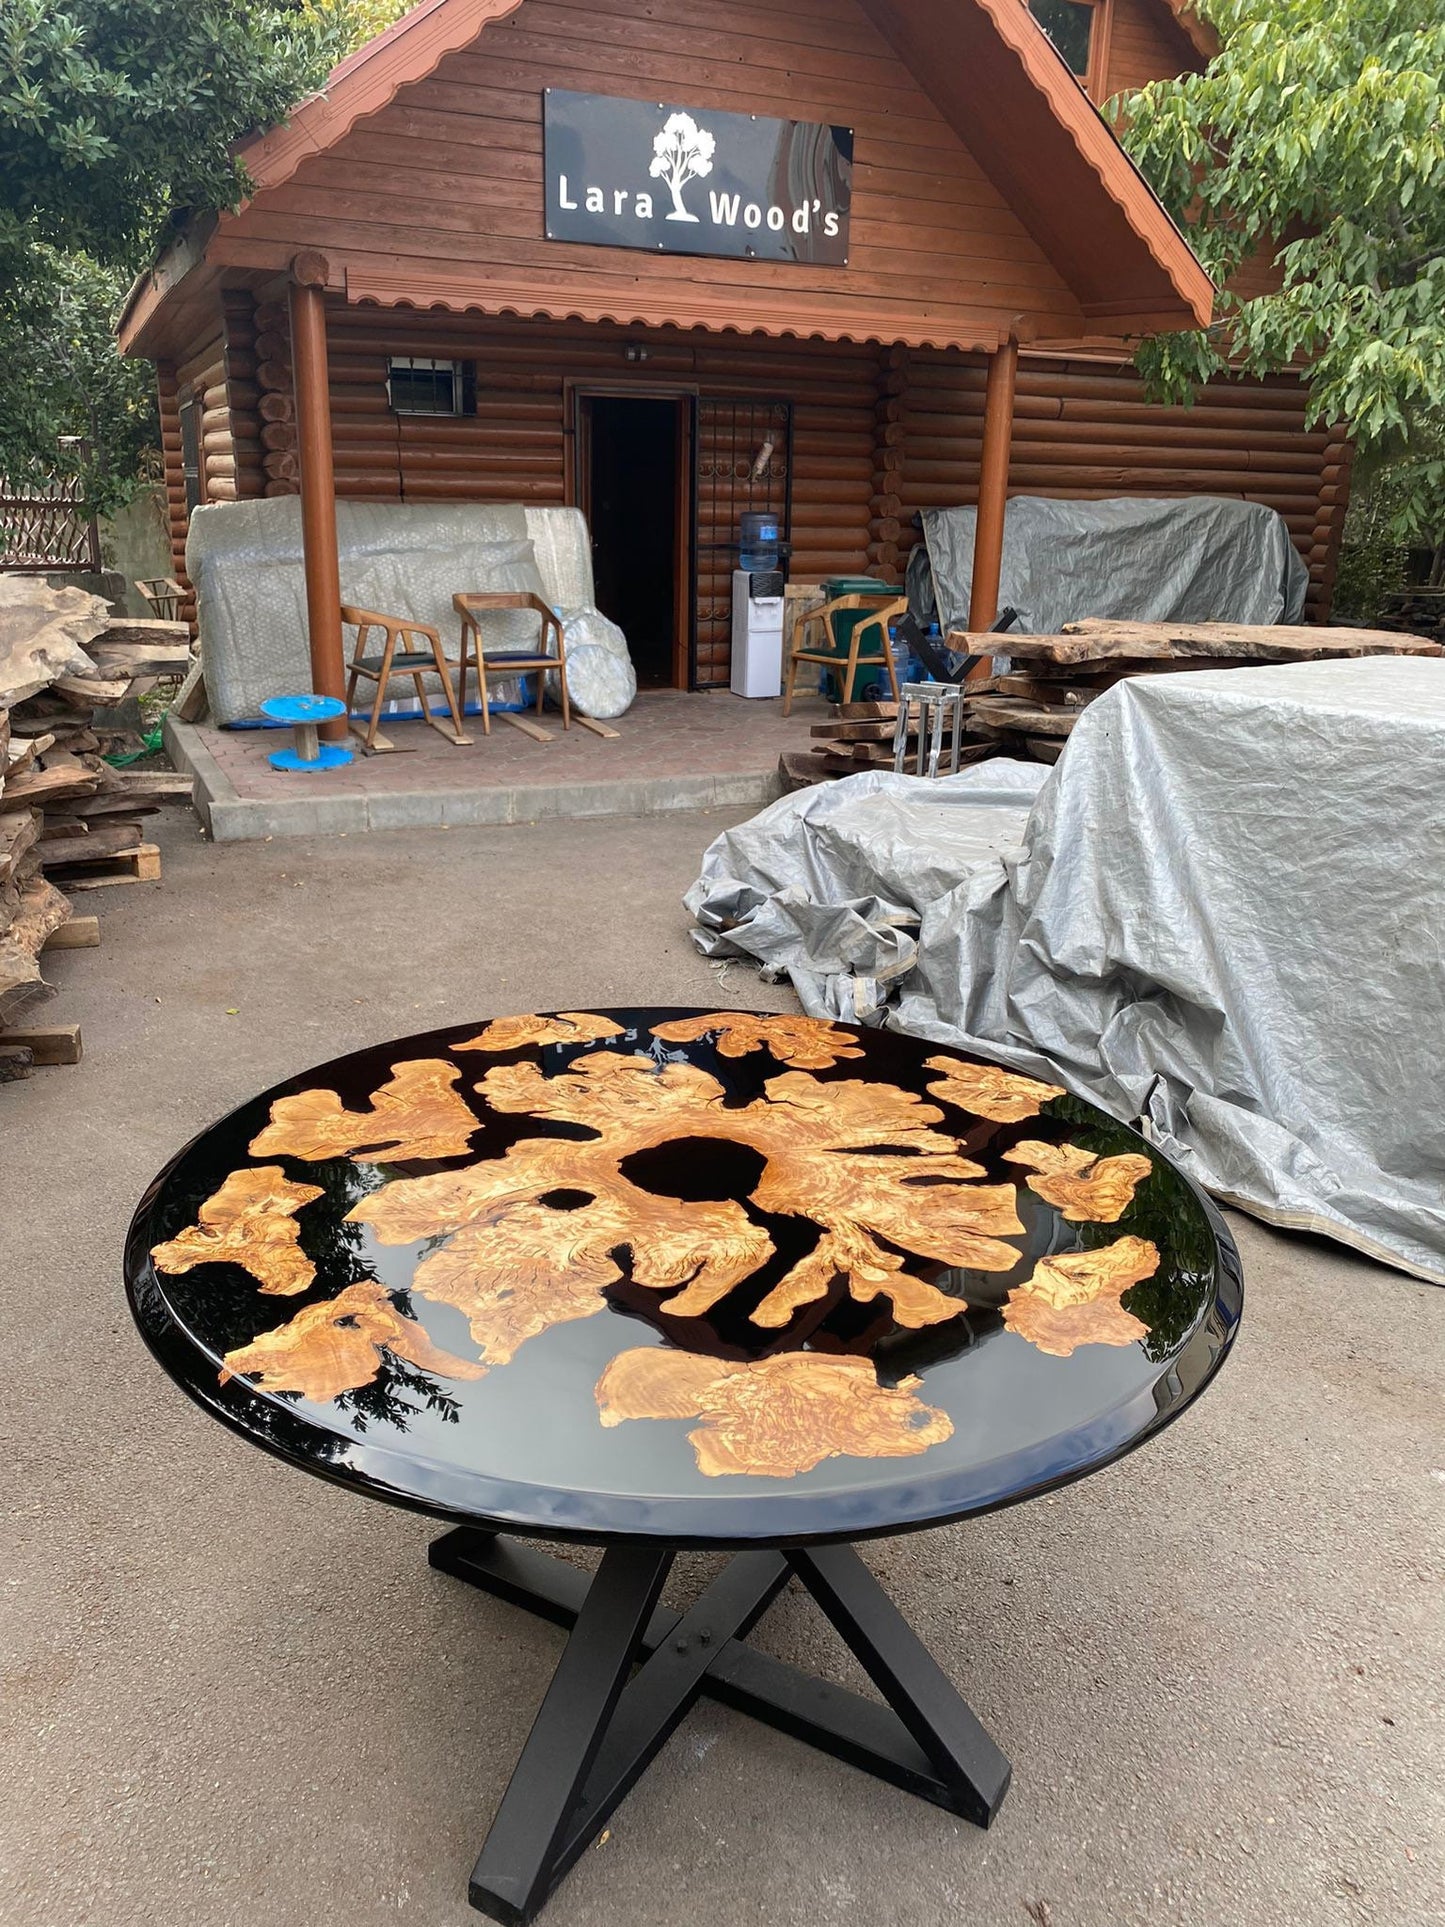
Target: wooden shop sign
{"x": 678, "y": 180}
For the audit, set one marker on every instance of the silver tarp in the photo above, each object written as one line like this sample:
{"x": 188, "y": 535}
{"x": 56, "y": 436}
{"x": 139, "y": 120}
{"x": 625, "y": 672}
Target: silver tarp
{"x": 1224, "y": 916}
{"x": 1206, "y": 558}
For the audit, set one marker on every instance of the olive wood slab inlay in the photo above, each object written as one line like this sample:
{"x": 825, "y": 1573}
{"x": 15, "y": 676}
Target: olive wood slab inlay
{"x": 772, "y": 1416}
{"x": 1072, "y": 1299}
{"x": 1086, "y": 1188}
{"x": 516, "y": 1267}
{"x": 1004, "y": 1097}
{"x": 251, "y": 1222}
{"x": 336, "y": 1347}
{"x": 809, "y": 1043}
{"x": 418, "y": 1115}
{"x": 569, "y": 1027}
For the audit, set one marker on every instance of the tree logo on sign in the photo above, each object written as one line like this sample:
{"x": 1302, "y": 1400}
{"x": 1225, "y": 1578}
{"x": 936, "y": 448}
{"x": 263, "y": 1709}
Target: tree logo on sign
{"x": 681, "y": 153}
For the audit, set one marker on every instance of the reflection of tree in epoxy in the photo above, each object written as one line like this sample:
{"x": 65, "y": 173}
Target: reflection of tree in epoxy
{"x": 682, "y": 152}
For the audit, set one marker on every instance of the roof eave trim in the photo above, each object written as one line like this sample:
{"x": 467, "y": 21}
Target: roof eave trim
{"x": 366, "y": 80}
{"x": 1100, "y": 148}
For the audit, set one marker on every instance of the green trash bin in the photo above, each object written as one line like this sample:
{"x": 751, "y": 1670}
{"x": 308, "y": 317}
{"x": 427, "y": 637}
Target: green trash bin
{"x": 869, "y": 684}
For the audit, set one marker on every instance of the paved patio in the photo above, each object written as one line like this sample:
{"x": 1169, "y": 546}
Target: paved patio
{"x": 672, "y": 752}
{"x": 236, "y": 1695}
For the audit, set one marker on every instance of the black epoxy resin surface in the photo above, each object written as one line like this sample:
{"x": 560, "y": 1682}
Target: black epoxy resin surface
{"x": 492, "y": 1317}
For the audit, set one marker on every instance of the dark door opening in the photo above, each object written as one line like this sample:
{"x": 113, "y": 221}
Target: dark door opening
{"x": 636, "y": 502}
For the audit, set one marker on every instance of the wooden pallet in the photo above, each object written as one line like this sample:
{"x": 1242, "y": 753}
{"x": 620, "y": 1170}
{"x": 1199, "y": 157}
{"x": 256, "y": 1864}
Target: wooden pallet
{"x": 140, "y": 865}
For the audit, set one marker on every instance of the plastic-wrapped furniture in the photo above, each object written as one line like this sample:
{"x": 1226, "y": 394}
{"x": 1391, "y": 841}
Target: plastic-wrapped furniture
{"x": 409, "y": 558}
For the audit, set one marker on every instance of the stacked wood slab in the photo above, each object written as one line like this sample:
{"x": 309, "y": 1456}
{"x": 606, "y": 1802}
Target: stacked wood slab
{"x": 1030, "y": 710}
{"x": 68, "y": 821}
{"x": 860, "y": 736}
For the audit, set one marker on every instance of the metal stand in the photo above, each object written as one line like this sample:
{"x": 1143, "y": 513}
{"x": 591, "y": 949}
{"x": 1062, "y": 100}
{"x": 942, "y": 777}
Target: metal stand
{"x": 939, "y": 706}
{"x": 600, "y": 1726}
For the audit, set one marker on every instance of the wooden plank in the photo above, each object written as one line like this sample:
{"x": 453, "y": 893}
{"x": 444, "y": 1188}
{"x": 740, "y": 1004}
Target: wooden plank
{"x": 134, "y": 660}
{"x": 107, "y": 839}
{"x": 48, "y": 1043}
{"x": 1224, "y": 638}
{"x": 1100, "y": 640}
{"x": 21, "y": 752}
{"x": 42, "y": 786}
{"x": 1001, "y": 712}
{"x": 598, "y": 728}
{"x": 19, "y": 830}
{"x": 527, "y": 726}
{"x": 81, "y": 933}
{"x": 852, "y": 732}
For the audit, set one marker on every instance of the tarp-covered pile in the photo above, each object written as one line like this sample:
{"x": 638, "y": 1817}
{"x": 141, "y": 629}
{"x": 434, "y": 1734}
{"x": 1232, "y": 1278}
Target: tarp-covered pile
{"x": 1225, "y": 915}
{"x": 1207, "y": 558}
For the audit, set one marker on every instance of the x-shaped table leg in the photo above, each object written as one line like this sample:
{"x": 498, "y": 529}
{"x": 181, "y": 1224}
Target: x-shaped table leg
{"x": 598, "y": 1729}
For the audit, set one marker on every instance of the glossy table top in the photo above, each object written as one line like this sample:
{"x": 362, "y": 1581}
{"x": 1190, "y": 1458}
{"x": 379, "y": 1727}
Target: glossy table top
{"x": 710, "y": 1277}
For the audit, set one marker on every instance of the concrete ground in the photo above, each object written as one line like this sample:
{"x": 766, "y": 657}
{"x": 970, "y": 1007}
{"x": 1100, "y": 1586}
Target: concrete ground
{"x": 236, "y": 1695}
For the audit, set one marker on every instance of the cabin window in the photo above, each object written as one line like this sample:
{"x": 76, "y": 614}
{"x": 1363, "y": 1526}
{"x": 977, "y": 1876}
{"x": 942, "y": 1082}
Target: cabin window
{"x": 418, "y": 385}
{"x": 1070, "y": 24}
{"x": 191, "y": 452}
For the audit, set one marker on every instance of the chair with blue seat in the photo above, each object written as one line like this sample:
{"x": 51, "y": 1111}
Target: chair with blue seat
{"x": 855, "y": 630}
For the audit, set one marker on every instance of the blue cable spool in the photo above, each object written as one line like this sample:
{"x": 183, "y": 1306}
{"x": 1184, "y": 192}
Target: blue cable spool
{"x": 306, "y": 714}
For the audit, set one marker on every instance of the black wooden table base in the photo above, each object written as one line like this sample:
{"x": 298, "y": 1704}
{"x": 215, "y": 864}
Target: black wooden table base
{"x": 600, "y": 1725}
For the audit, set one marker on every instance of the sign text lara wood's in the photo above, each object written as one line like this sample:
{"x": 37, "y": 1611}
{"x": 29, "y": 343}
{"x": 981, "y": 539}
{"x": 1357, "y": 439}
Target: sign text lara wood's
{"x": 642, "y": 174}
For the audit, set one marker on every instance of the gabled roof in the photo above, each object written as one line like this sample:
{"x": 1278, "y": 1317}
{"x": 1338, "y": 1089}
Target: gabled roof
{"x": 985, "y": 66}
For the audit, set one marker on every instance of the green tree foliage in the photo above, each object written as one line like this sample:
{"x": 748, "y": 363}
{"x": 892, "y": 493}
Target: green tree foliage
{"x": 1318, "y": 136}
{"x": 117, "y": 116}
{"x": 61, "y": 376}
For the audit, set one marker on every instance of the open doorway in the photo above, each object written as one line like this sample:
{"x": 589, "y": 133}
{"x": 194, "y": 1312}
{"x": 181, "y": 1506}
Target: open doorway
{"x": 636, "y": 490}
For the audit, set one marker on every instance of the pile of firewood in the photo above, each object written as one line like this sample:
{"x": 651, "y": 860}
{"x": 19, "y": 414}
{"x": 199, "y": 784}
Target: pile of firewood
{"x": 68, "y": 820}
{"x": 1030, "y": 710}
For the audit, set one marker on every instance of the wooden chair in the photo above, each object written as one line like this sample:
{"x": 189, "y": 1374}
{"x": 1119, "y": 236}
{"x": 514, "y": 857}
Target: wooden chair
{"x": 410, "y": 649}
{"x": 511, "y": 662}
{"x": 846, "y": 658}
{"x": 163, "y": 596}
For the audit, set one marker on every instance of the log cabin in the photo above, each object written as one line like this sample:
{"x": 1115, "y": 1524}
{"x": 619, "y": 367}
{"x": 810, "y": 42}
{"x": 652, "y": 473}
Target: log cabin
{"x": 673, "y": 261}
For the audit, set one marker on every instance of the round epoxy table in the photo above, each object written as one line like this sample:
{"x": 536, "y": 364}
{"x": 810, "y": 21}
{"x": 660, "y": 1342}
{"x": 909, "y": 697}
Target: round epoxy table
{"x": 666, "y": 1279}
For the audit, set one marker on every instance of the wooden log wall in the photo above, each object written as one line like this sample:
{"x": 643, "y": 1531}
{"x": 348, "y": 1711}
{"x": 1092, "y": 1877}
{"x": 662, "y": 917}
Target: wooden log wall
{"x": 885, "y": 529}
{"x": 275, "y": 405}
{"x": 516, "y": 448}
{"x": 173, "y": 469}
{"x": 202, "y": 379}
{"x": 1087, "y": 429}
{"x": 877, "y": 433}
{"x": 234, "y": 469}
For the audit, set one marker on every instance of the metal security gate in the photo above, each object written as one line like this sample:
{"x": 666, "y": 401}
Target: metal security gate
{"x": 743, "y": 463}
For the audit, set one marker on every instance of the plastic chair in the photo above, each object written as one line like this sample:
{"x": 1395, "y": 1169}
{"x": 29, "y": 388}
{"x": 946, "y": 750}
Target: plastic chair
{"x": 870, "y": 616}
{"x": 410, "y": 649}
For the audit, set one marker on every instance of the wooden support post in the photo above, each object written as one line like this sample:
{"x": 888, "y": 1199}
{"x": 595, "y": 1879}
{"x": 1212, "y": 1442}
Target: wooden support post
{"x": 318, "y": 482}
{"x": 998, "y": 428}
